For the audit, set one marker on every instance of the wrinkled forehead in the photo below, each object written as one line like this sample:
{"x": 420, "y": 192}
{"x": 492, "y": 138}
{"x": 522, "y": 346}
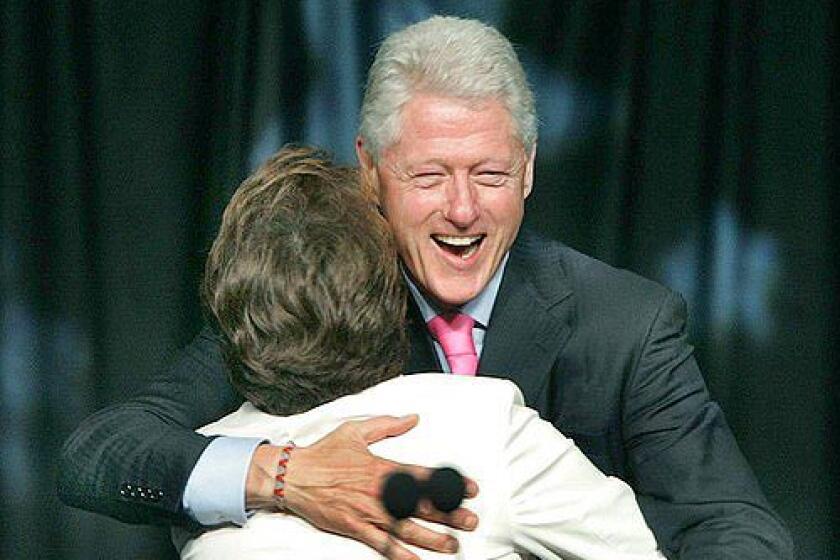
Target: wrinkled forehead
{"x": 428, "y": 119}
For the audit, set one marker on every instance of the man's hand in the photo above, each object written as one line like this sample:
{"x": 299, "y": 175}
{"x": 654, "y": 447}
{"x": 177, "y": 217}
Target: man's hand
{"x": 336, "y": 484}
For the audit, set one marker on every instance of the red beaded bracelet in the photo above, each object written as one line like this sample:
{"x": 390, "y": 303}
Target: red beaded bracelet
{"x": 279, "y": 482}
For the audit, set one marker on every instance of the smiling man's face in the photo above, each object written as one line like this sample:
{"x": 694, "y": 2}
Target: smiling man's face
{"x": 453, "y": 188}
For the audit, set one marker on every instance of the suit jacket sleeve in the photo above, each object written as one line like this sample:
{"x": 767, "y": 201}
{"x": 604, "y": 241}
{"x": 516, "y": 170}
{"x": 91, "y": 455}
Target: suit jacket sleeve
{"x": 693, "y": 484}
{"x": 131, "y": 461}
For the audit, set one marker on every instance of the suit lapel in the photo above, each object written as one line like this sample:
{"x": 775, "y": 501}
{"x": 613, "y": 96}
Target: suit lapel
{"x": 422, "y": 357}
{"x": 529, "y": 325}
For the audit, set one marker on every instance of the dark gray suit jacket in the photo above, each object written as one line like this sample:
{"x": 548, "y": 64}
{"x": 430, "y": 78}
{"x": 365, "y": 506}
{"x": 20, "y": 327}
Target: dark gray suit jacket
{"x": 599, "y": 352}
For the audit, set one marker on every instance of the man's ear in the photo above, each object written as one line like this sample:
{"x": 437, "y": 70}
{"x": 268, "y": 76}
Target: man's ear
{"x": 528, "y": 176}
{"x": 367, "y": 168}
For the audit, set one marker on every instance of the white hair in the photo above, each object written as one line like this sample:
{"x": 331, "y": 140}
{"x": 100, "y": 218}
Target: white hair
{"x": 449, "y": 56}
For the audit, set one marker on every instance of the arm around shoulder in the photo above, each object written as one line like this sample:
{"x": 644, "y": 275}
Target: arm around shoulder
{"x": 131, "y": 461}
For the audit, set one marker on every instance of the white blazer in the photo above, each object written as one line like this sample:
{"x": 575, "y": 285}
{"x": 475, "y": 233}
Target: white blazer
{"x": 538, "y": 493}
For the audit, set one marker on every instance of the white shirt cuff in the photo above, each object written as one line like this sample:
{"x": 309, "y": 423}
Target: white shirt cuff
{"x": 215, "y": 491}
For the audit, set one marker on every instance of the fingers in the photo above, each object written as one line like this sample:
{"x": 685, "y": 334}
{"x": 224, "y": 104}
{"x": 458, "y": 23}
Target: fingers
{"x": 382, "y": 542}
{"x": 471, "y": 488}
{"x": 412, "y": 533}
{"x": 369, "y": 524}
{"x": 462, "y": 518}
{"x": 394, "y": 551}
{"x": 381, "y": 427}
{"x": 423, "y": 473}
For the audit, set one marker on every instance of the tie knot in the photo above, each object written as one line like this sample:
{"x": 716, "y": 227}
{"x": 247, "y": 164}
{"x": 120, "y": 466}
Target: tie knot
{"x": 454, "y": 334}
{"x": 442, "y": 325}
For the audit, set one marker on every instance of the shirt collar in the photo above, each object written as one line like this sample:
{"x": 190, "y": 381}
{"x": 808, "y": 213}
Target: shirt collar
{"x": 479, "y": 308}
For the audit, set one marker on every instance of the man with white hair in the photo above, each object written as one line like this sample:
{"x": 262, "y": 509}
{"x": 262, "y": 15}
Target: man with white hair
{"x": 447, "y": 142}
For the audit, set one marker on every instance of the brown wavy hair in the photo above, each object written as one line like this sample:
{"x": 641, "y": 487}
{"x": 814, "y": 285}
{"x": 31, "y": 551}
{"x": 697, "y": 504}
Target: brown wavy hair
{"x": 304, "y": 285}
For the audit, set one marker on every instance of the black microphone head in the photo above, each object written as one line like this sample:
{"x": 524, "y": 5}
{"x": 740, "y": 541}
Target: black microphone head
{"x": 400, "y": 495}
{"x": 445, "y": 488}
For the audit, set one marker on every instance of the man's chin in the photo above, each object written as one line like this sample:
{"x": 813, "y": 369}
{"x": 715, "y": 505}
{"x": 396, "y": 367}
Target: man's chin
{"x": 454, "y": 296}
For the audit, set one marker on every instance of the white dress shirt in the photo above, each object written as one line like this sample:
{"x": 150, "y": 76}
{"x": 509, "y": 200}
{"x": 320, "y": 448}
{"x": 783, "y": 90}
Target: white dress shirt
{"x": 538, "y": 492}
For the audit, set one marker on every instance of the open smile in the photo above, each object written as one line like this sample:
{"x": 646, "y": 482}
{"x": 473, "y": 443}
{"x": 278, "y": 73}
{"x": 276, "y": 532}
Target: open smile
{"x": 461, "y": 246}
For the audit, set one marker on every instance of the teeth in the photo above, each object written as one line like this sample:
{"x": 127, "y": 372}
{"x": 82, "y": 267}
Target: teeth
{"x": 458, "y": 241}
{"x": 469, "y": 252}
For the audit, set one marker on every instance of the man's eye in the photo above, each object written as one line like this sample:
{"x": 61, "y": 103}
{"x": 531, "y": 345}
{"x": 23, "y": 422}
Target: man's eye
{"x": 492, "y": 178}
{"x": 427, "y": 179}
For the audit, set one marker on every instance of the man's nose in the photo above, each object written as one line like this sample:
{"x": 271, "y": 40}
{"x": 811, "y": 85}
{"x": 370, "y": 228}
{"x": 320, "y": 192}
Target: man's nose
{"x": 462, "y": 207}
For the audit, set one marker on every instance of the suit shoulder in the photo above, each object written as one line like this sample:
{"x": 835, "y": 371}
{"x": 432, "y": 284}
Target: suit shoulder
{"x": 592, "y": 278}
{"x": 601, "y": 292}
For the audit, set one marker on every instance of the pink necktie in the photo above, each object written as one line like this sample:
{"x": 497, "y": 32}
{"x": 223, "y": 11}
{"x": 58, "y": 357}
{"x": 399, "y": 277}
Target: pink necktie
{"x": 454, "y": 333}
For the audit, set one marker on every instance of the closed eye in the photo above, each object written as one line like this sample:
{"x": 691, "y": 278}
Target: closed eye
{"x": 428, "y": 179}
{"x": 492, "y": 178}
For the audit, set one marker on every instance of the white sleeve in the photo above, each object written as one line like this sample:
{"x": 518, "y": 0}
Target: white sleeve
{"x": 562, "y": 506}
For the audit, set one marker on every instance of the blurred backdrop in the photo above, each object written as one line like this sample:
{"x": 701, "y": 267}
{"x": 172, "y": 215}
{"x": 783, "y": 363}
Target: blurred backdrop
{"x": 692, "y": 142}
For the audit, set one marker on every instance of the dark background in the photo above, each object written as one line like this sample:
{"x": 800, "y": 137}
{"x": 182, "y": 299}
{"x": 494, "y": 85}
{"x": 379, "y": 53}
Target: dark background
{"x": 692, "y": 142}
